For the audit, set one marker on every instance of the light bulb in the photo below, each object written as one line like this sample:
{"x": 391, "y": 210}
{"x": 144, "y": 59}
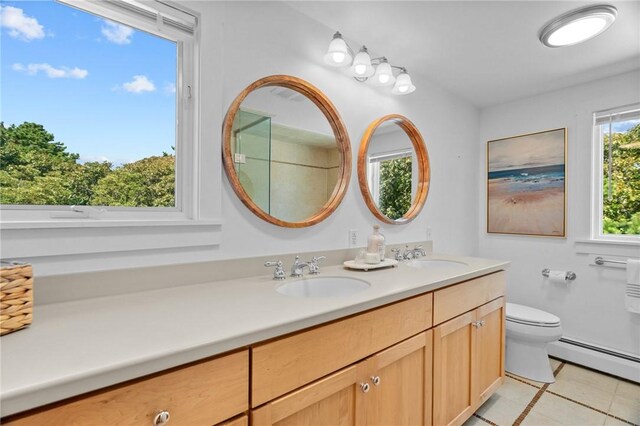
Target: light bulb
{"x": 362, "y": 69}
{"x": 383, "y": 75}
{"x": 338, "y": 53}
{"x": 338, "y": 56}
{"x": 403, "y": 86}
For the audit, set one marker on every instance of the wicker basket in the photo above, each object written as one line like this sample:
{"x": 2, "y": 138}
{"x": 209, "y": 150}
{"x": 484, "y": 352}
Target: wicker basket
{"x": 16, "y": 297}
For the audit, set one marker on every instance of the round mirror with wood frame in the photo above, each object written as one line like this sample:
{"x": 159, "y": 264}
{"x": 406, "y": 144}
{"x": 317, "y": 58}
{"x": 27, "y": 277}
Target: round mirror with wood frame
{"x": 420, "y": 180}
{"x": 283, "y": 202}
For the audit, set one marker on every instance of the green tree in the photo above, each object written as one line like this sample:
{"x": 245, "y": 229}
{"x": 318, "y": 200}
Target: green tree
{"x": 34, "y": 169}
{"x": 149, "y": 182}
{"x": 395, "y": 187}
{"x": 621, "y": 211}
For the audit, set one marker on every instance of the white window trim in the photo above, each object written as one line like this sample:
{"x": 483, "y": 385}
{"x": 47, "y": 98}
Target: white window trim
{"x": 187, "y": 210}
{"x": 597, "y": 181}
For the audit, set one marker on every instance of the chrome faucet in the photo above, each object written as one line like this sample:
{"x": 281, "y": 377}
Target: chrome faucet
{"x": 278, "y": 273}
{"x": 296, "y": 268}
{"x": 397, "y": 254}
{"x": 314, "y": 267}
{"x": 418, "y": 251}
{"x": 408, "y": 253}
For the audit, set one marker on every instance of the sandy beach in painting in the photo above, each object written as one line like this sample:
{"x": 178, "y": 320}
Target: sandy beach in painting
{"x": 527, "y": 201}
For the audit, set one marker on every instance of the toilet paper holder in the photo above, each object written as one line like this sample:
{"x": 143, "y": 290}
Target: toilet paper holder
{"x": 569, "y": 275}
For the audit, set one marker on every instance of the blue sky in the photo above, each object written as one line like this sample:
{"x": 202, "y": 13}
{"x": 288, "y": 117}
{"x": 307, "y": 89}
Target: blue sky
{"x": 623, "y": 126}
{"x": 105, "y": 90}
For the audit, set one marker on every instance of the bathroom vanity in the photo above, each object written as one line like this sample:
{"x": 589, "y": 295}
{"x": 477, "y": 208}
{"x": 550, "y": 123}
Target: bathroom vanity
{"x": 417, "y": 347}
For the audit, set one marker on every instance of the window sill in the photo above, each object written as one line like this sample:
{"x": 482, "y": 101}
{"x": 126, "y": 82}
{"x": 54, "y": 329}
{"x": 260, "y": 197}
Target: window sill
{"x": 608, "y": 247}
{"x": 100, "y": 223}
{"x": 74, "y": 240}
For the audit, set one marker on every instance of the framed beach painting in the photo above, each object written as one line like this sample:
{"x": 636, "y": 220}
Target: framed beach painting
{"x": 526, "y": 184}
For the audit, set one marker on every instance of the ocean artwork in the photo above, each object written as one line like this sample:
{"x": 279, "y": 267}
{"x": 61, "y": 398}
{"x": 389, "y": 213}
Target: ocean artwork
{"x": 526, "y": 184}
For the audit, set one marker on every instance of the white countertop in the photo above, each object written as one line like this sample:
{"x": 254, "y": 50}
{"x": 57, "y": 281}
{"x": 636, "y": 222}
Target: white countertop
{"x": 80, "y": 346}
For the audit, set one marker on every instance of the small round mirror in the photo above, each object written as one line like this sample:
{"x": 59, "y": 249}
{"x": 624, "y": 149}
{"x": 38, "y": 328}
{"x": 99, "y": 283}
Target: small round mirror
{"x": 393, "y": 169}
{"x": 286, "y": 151}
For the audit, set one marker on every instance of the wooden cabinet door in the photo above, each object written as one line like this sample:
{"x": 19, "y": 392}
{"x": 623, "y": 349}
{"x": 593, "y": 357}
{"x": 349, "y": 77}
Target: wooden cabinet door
{"x": 489, "y": 369}
{"x": 337, "y": 400}
{"x": 453, "y": 363}
{"x": 402, "y": 395}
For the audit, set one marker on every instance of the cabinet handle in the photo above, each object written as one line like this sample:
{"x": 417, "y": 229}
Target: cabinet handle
{"x": 376, "y": 380}
{"x": 476, "y": 324}
{"x": 481, "y": 323}
{"x": 161, "y": 418}
{"x": 365, "y": 387}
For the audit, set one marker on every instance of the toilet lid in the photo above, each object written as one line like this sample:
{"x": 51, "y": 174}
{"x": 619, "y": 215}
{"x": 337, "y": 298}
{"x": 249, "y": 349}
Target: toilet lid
{"x": 530, "y": 316}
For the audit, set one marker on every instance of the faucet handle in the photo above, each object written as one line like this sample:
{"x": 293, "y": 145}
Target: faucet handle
{"x": 408, "y": 254}
{"x": 314, "y": 268}
{"x": 278, "y": 273}
{"x": 418, "y": 251}
{"x": 397, "y": 254}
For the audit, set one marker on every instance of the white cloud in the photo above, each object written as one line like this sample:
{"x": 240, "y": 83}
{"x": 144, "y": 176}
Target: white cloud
{"x": 117, "y": 33}
{"x": 19, "y": 25}
{"x": 169, "y": 88}
{"x": 139, "y": 84}
{"x": 51, "y": 72}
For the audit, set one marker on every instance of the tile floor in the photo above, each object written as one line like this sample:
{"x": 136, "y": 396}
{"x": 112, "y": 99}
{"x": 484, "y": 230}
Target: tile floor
{"x": 579, "y": 397}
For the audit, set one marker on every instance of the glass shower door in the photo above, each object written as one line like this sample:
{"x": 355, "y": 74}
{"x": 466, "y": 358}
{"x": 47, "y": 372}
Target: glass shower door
{"x": 252, "y": 156}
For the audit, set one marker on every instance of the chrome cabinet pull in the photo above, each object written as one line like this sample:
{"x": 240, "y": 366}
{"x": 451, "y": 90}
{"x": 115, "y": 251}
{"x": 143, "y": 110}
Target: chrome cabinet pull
{"x": 376, "y": 380}
{"x": 161, "y": 418}
{"x": 365, "y": 387}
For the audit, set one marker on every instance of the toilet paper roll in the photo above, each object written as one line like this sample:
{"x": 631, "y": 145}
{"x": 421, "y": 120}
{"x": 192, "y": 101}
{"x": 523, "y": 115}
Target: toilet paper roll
{"x": 558, "y": 277}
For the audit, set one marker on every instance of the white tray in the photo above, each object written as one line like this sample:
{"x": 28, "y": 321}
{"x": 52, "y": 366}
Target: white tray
{"x": 351, "y": 264}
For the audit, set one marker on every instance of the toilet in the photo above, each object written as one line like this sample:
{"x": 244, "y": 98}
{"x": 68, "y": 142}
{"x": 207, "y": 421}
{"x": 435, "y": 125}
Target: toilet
{"x": 529, "y": 330}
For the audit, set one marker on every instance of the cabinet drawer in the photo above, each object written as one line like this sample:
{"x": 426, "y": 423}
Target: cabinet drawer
{"x": 288, "y": 363}
{"x": 199, "y": 394}
{"x": 457, "y": 299}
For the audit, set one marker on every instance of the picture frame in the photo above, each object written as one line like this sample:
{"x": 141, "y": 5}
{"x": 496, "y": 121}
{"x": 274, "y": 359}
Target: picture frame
{"x": 527, "y": 185}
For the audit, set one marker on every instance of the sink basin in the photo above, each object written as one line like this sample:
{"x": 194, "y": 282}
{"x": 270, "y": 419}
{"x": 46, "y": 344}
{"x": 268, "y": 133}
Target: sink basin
{"x": 436, "y": 264}
{"x": 323, "y": 287}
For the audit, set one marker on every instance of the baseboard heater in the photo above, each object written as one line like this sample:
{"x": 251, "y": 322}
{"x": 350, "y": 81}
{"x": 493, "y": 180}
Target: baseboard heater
{"x": 606, "y": 351}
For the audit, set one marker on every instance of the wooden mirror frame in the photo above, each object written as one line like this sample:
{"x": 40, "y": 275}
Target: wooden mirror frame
{"x": 424, "y": 169}
{"x": 339, "y": 130}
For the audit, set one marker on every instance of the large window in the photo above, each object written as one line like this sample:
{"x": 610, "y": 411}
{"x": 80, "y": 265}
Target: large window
{"x": 97, "y": 109}
{"x": 617, "y": 174}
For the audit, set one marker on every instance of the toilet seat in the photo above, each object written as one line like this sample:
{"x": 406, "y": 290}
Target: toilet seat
{"x": 530, "y": 316}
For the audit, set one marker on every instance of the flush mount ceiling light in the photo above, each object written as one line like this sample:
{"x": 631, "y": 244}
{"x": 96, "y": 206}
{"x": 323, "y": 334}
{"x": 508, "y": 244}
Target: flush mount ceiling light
{"x": 378, "y": 71}
{"x": 578, "y": 25}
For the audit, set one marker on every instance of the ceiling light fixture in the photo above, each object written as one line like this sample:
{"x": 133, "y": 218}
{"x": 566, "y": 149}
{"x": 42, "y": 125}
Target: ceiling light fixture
{"x": 378, "y": 71}
{"x": 577, "y": 25}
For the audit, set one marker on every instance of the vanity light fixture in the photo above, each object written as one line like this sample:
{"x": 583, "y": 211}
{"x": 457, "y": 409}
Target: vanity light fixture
{"x": 578, "y": 25}
{"x": 377, "y": 71}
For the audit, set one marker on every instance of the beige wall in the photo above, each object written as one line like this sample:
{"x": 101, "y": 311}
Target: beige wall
{"x": 302, "y": 179}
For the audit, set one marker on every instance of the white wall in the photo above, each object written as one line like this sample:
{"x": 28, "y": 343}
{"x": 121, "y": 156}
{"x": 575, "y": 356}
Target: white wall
{"x": 591, "y": 308}
{"x": 263, "y": 38}
{"x": 244, "y": 41}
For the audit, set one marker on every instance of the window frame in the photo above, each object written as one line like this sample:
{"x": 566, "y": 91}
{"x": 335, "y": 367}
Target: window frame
{"x": 597, "y": 179}
{"x": 187, "y": 143}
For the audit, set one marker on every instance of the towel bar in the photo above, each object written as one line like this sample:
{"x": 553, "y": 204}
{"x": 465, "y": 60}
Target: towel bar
{"x": 601, "y": 261}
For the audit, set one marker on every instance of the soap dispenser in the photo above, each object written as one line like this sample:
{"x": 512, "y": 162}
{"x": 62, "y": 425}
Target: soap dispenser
{"x": 375, "y": 246}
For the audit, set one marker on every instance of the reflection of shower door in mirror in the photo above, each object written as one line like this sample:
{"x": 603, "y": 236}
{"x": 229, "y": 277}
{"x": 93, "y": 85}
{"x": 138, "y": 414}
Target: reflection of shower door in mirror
{"x": 252, "y": 156}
